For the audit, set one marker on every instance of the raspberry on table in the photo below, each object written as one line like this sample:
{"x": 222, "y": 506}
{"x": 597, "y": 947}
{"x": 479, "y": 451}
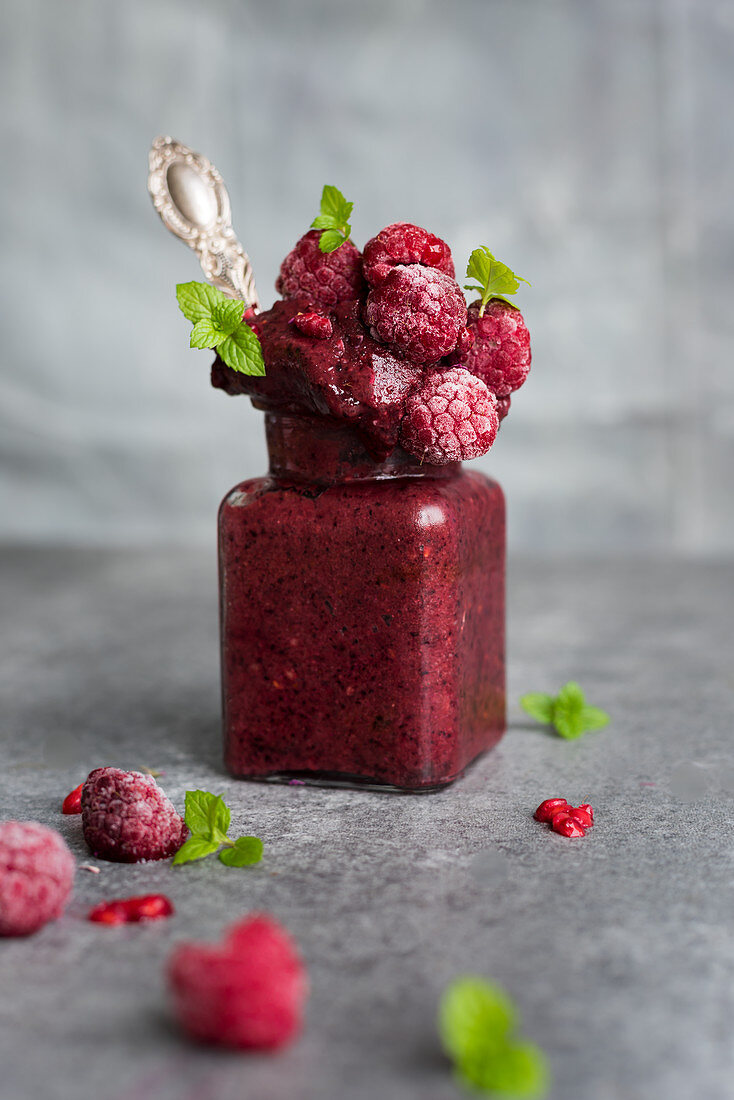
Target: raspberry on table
{"x": 247, "y": 992}
{"x": 451, "y": 418}
{"x": 403, "y": 243}
{"x": 127, "y": 818}
{"x": 503, "y": 406}
{"x": 323, "y": 279}
{"x": 500, "y": 354}
{"x": 36, "y": 876}
{"x": 418, "y": 312}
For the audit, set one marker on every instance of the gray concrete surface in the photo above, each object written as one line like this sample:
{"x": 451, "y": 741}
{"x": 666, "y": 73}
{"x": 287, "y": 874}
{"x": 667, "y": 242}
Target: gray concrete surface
{"x": 587, "y": 142}
{"x": 618, "y": 948}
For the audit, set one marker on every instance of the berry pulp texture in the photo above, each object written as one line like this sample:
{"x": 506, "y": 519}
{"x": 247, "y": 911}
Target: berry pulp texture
{"x": 371, "y": 646}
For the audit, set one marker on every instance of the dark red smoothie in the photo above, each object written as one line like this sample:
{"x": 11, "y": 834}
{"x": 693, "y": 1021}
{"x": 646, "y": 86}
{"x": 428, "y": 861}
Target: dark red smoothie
{"x": 362, "y": 594}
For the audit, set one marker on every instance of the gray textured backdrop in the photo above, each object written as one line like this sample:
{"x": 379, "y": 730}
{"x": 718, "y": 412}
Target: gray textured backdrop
{"x": 588, "y": 142}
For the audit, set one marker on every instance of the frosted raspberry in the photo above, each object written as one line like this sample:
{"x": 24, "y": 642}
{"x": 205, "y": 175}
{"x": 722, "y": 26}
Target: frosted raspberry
{"x": 501, "y": 354}
{"x": 321, "y": 278}
{"x": 418, "y": 312}
{"x": 453, "y": 417}
{"x": 36, "y": 876}
{"x": 403, "y": 243}
{"x": 247, "y": 992}
{"x": 315, "y": 325}
{"x": 127, "y": 818}
{"x": 503, "y": 406}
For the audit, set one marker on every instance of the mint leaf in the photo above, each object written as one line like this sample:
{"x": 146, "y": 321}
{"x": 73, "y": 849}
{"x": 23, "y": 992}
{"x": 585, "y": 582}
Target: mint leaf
{"x": 218, "y": 324}
{"x": 477, "y": 1024}
{"x": 539, "y": 706}
{"x": 243, "y": 853}
{"x": 494, "y": 279}
{"x": 196, "y": 847}
{"x": 473, "y": 1014}
{"x": 242, "y": 351}
{"x": 335, "y": 206}
{"x": 197, "y": 300}
{"x": 227, "y": 315}
{"x": 208, "y": 817}
{"x": 593, "y": 718}
{"x": 198, "y": 813}
{"x": 333, "y": 219}
{"x": 330, "y": 240}
{"x": 220, "y": 817}
{"x": 205, "y": 334}
{"x": 567, "y": 711}
{"x": 514, "y": 1069}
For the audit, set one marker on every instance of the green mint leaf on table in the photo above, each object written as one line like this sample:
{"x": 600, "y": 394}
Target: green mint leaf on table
{"x": 244, "y": 852}
{"x": 207, "y": 817}
{"x": 196, "y": 847}
{"x": 539, "y": 706}
{"x": 333, "y": 219}
{"x": 477, "y": 1024}
{"x": 513, "y": 1069}
{"x": 568, "y": 712}
{"x": 494, "y": 279}
{"x": 218, "y": 323}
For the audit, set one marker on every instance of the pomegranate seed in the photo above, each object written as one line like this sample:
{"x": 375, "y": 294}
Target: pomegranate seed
{"x": 564, "y": 824}
{"x": 551, "y": 806}
{"x": 588, "y": 810}
{"x": 72, "y": 804}
{"x": 582, "y": 817}
{"x": 132, "y": 910}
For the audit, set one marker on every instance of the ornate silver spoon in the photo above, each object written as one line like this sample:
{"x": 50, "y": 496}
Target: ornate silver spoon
{"x": 190, "y": 196}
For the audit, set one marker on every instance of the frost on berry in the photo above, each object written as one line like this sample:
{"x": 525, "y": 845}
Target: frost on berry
{"x": 500, "y": 354}
{"x": 451, "y": 418}
{"x": 403, "y": 243}
{"x": 247, "y": 992}
{"x": 323, "y": 279}
{"x": 126, "y": 817}
{"x": 36, "y": 877}
{"x": 418, "y": 312}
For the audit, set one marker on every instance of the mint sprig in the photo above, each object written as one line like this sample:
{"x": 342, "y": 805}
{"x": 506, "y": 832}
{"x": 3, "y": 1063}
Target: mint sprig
{"x": 208, "y": 817}
{"x": 494, "y": 279}
{"x": 333, "y": 219}
{"x": 477, "y": 1023}
{"x": 218, "y": 323}
{"x": 567, "y": 712}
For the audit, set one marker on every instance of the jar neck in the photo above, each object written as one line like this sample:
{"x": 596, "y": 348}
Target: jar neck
{"x": 312, "y": 448}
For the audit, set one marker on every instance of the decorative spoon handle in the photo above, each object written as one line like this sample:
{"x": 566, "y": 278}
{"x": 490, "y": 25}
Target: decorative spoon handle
{"x": 190, "y": 196}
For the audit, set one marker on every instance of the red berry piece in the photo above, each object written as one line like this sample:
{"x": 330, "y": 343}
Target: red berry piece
{"x": 587, "y": 809}
{"x": 418, "y": 312}
{"x": 72, "y": 804}
{"x": 321, "y": 278}
{"x": 126, "y": 817}
{"x": 551, "y": 806}
{"x": 132, "y": 910}
{"x": 500, "y": 354}
{"x": 403, "y": 243}
{"x": 313, "y": 324}
{"x": 453, "y": 417}
{"x": 581, "y": 816}
{"x": 564, "y": 823}
{"x": 36, "y": 877}
{"x": 246, "y": 993}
